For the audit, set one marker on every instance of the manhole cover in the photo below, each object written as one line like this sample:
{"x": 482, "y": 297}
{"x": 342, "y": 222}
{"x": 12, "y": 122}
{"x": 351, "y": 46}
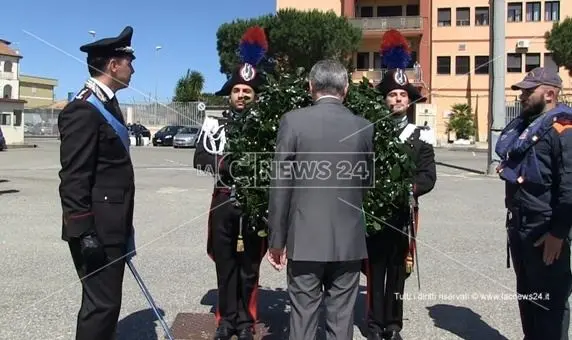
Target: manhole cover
{"x": 195, "y": 326}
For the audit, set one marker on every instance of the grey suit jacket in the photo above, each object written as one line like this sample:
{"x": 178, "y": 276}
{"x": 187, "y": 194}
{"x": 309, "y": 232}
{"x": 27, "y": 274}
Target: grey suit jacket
{"x": 315, "y": 210}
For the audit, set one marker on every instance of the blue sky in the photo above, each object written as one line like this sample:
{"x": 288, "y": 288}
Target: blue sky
{"x": 49, "y": 34}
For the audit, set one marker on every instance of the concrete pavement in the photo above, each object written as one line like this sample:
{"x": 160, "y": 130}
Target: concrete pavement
{"x": 462, "y": 248}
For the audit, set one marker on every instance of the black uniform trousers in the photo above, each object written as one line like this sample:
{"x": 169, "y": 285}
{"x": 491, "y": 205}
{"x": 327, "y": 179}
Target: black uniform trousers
{"x": 543, "y": 290}
{"x": 237, "y": 272}
{"x": 101, "y": 293}
{"x": 386, "y": 274}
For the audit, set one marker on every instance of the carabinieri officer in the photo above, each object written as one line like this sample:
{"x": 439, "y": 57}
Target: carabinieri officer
{"x": 97, "y": 185}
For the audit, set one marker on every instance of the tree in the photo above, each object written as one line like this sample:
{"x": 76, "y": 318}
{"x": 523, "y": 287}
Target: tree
{"x": 251, "y": 143}
{"x": 462, "y": 121}
{"x": 559, "y": 42}
{"x": 189, "y": 87}
{"x": 296, "y": 39}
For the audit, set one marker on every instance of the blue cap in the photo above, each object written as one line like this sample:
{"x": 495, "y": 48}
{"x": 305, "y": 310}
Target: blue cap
{"x": 539, "y": 76}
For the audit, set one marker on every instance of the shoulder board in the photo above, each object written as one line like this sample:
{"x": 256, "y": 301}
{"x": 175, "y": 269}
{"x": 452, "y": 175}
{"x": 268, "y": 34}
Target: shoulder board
{"x": 426, "y": 135}
{"x": 84, "y": 94}
{"x": 561, "y": 125}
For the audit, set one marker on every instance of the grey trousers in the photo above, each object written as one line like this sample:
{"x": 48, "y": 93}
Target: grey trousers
{"x": 337, "y": 283}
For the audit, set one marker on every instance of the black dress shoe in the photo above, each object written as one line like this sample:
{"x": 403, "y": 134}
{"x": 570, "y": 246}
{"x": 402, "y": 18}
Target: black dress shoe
{"x": 246, "y": 334}
{"x": 394, "y": 335}
{"x": 223, "y": 333}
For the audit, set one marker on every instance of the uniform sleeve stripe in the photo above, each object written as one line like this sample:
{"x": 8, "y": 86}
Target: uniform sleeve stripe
{"x": 560, "y": 127}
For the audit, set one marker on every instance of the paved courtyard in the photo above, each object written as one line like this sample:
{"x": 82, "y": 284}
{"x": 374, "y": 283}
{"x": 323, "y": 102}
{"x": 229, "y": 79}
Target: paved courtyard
{"x": 462, "y": 245}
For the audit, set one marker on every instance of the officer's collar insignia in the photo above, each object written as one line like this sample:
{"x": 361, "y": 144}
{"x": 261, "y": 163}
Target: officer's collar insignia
{"x": 247, "y": 72}
{"x": 400, "y": 77}
{"x": 96, "y": 90}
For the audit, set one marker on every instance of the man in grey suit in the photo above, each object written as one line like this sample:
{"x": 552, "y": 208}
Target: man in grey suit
{"x": 314, "y": 226}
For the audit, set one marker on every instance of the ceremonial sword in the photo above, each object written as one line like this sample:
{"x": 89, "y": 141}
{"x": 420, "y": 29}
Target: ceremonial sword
{"x": 149, "y": 299}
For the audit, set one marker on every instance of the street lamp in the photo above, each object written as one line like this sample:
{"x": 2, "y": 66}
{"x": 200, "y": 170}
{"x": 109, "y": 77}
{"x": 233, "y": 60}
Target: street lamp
{"x": 157, "y": 48}
{"x": 92, "y": 34}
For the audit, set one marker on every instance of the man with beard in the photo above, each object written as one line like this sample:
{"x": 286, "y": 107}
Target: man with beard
{"x": 97, "y": 185}
{"x": 237, "y": 249}
{"x": 390, "y": 253}
{"x": 536, "y": 165}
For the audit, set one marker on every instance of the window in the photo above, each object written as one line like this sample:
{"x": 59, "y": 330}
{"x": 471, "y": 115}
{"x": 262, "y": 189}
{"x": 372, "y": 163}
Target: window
{"x": 412, "y": 10}
{"x": 482, "y": 64}
{"x": 7, "y": 92}
{"x": 389, "y": 11}
{"x": 7, "y": 66}
{"x": 444, "y": 17}
{"x": 533, "y": 11}
{"x": 5, "y": 119}
{"x": 443, "y": 65}
{"x": 362, "y": 62}
{"x": 514, "y": 63}
{"x": 462, "y": 65}
{"x": 463, "y": 16}
{"x": 552, "y": 10}
{"x": 532, "y": 61}
{"x": 377, "y": 61}
{"x": 17, "y": 117}
{"x": 514, "y": 12}
{"x": 366, "y": 12}
{"x": 481, "y": 16}
{"x": 549, "y": 62}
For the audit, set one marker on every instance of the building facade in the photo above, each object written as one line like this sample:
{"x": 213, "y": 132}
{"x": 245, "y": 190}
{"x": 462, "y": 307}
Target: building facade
{"x": 38, "y": 92}
{"x": 11, "y": 106}
{"x": 460, "y": 53}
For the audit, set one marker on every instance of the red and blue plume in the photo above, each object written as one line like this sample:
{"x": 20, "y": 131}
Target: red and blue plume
{"x": 253, "y": 46}
{"x": 395, "y": 50}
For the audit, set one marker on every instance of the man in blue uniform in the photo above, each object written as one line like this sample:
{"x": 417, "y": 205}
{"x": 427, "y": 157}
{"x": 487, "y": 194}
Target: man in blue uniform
{"x": 97, "y": 185}
{"x": 536, "y": 165}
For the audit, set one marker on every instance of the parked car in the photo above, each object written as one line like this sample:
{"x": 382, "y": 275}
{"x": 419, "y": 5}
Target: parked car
{"x": 2, "y": 141}
{"x": 166, "y": 134}
{"x": 187, "y": 137}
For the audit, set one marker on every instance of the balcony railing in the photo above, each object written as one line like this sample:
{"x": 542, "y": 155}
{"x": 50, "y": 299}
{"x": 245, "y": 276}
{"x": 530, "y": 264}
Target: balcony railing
{"x": 8, "y": 75}
{"x": 414, "y": 75}
{"x": 387, "y": 23}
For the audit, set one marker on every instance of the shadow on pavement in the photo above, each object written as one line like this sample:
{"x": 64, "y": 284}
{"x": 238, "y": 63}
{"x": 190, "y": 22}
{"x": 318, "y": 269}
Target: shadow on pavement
{"x": 9, "y": 191}
{"x": 271, "y": 311}
{"x": 140, "y": 325}
{"x": 463, "y": 322}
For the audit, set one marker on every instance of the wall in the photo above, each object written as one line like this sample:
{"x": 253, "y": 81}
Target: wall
{"x": 10, "y": 78}
{"x": 37, "y": 95}
{"x": 305, "y": 5}
{"x": 13, "y": 134}
{"x": 473, "y": 88}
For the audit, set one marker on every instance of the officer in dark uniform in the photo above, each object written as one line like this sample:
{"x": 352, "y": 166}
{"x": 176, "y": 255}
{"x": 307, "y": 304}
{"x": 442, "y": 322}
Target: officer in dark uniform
{"x": 536, "y": 165}
{"x": 97, "y": 185}
{"x": 236, "y": 249}
{"x": 390, "y": 253}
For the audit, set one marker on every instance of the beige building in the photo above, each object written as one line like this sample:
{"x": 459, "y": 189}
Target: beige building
{"x": 11, "y": 106}
{"x": 37, "y": 91}
{"x": 460, "y": 52}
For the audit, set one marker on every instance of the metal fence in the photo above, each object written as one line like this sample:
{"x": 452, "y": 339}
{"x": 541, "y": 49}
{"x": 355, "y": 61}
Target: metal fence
{"x": 43, "y": 122}
{"x": 512, "y": 110}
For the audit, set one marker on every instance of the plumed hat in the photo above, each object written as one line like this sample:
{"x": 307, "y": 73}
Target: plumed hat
{"x": 396, "y": 56}
{"x": 253, "y": 47}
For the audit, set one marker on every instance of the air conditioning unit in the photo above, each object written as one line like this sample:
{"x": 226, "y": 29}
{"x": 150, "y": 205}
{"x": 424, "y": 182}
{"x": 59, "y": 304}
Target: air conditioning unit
{"x": 522, "y": 44}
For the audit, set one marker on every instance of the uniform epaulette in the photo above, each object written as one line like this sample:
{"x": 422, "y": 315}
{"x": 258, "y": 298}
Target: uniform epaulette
{"x": 84, "y": 94}
{"x": 561, "y": 125}
{"x": 426, "y": 134}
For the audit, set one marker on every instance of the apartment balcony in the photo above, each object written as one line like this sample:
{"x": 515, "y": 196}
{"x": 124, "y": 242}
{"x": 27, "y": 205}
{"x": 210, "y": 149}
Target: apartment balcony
{"x": 415, "y": 76}
{"x": 373, "y": 25}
